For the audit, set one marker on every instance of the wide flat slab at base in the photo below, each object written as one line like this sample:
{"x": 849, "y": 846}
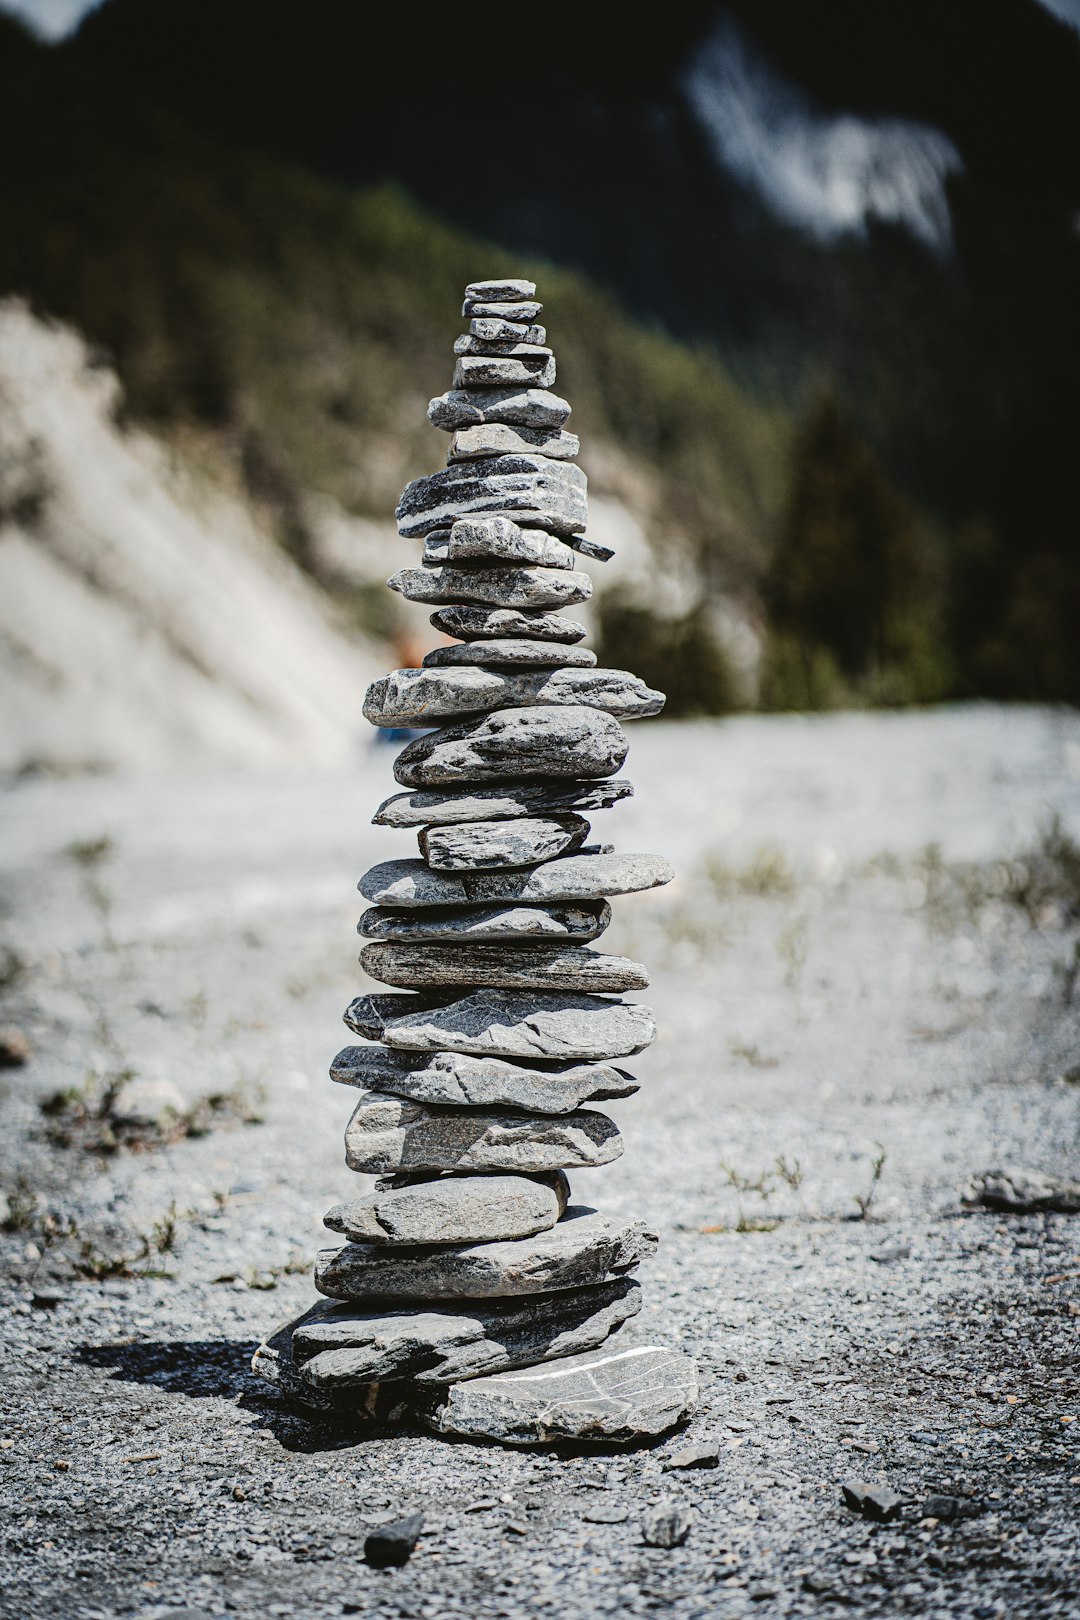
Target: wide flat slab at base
{"x": 612, "y": 1395}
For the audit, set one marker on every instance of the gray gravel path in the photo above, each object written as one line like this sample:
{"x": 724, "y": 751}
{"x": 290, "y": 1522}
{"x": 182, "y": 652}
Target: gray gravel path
{"x": 832, "y": 996}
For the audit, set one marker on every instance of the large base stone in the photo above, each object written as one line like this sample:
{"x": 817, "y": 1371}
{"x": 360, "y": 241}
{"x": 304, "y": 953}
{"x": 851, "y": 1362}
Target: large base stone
{"x": 338, "y": 1347}
{"x": 611, "y": 1395}
{"x": 584, "y": 1249}
{"x": 361, "y": 1405}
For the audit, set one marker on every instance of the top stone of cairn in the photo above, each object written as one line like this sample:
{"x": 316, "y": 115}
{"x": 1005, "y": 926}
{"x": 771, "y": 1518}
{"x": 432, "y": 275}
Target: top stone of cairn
{"x": 506, "y": 290}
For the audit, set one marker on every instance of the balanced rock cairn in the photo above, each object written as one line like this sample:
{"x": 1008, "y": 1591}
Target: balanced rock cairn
{"x": 470, "y": 1292}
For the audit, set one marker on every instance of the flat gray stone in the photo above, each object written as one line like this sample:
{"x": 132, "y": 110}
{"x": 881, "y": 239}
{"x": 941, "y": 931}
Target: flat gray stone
{"x": 495, "y": 587}
{"x": 541, "y": 924}
{"x": 503, "y": 348}
{"x": 489, "y": 845}
{"x": 482, "y": 371}
{"x": 521, "y": 309}
{"x": 500, "y": 439}
{"x": 453, "y": 1209}
{"x": 571, "y": 877}
{"x": 456, "y": 1080}
{"x": 388, "y": 1134}
{"x": 503, "y": 331}
{"x": 497, "y": 538}
{"x": 499, "y": 654}
{"x": 583, "y": 1250}
{"x": 500, "y": 290}
{"x": 612, "y": 1395}
{"x": 502, "y": 966}
{"x": 369, "y": 1015}
{"x": 518, "y": 407}
{"x": 525, "y": 1024}
{"x": 666, "y": 1523}
{"x": 1017, "y": 1191}
{"x": 590, "y": 548}
{"x": 345, "y": 1347}
{"x": 426, "y": 696}
{"x": 499, "y": 803}
{"x": 479, "y": 623}
{"x": 546, "y": 741}
{"x": 362, "y": 1405}
{"x": 543, "y": 494}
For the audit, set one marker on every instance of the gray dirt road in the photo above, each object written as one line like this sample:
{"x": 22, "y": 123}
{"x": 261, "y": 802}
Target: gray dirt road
{"x": 866, "y": 980}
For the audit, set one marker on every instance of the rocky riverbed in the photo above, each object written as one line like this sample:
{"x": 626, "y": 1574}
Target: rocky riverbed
{"x": 867, "y": 981}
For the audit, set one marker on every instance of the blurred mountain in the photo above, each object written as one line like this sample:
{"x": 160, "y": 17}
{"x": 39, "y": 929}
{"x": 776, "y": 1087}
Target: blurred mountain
{"x": 881, "y": 199}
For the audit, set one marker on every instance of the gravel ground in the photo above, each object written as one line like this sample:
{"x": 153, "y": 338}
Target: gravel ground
{"x": 866, "y": 983}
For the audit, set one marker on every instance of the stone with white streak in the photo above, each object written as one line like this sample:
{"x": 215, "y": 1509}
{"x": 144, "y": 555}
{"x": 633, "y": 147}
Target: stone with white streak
{"x": 535, "y": 491}
{"x": 500, "y": 439}
{"x": 614, "y": 1395}
{"x": 524, "y": 309}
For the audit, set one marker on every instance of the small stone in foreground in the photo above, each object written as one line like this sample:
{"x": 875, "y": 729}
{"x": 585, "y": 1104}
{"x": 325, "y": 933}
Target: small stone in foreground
{"x": 1018, "y": 1192}
{"x": 696, "y": 1454}
{"x": 615, "y": 1396}
{"x": 391, "y": 1545}
{"x": 667, "y": 1524}
{"x": 872, "y": 1501}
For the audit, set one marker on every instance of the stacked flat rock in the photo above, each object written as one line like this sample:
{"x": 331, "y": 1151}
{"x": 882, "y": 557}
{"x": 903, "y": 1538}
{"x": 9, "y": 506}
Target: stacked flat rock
{"x": 504, "y": 1024}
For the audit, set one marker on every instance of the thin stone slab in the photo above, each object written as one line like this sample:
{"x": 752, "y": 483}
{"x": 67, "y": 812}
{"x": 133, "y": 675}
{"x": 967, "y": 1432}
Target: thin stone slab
{"x": 546, "y": 741}
{"x": 370, "y": 1015}
{"x": 420, "y": 697}
{"x": 571, "y": 877}
{"x": 491, "y": 330}
{"x": 584, "y": 1250}
{"x": 502, "y": 966}
{"x": 362, "y": 1406}
{"x": 525, "y": 1024}
{"x": 499, "y": 803}
{"x": 545, "y": 494}
{"x": 480, "y": 623}
{"x": 497, "y": 538}
{"x": 517, "y": 407}
{"x": 494, "y": 587}
{"x": 387, "y": 1134}
{"x": 453, "y": 1209}
{"x": 456, "y": 1080}
{"x": 342, "y": 1347}
{"x": 499, "y": 654}
{"x": 464, "y": 924}
{"x": 480, "y": 845}
{"x": 590, "y": 548}
{"x": 500, "y": 439}
{"x": 482, "y": 371}
{"x": 506, "y": 348}
{"x": 524, "y": 309}
{"x": 487, "y": 541}
{"x": 617, "y": 1396}
{"x": 501, "y": 290}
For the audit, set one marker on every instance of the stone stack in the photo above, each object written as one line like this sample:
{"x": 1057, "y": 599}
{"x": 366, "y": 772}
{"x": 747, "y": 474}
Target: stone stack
{"x": 503, "y": 1025}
